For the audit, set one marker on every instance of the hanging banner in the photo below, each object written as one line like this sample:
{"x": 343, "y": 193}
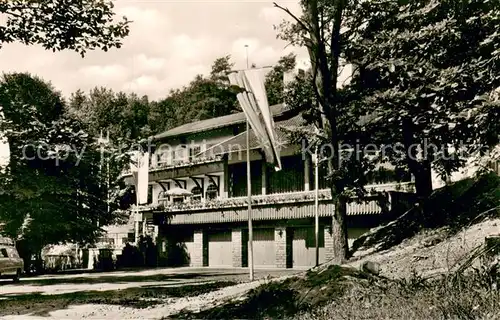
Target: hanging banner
{"x": 253, "y": 101}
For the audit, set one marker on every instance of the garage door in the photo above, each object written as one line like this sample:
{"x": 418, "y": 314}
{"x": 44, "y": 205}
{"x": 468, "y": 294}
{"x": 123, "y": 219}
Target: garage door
{"x": 220, "y": 249}
{"x": 304, "y": 248}
{"x": 263, "y": 247}
{"x": 190, "y": 250}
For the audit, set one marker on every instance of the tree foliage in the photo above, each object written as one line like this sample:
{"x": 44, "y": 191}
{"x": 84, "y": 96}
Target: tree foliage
{"x": 125, "y": 116}
{"x": 52, "y": 190}
{"x": 203, "y": 98}
{"x": 274, "y": 79}
{"x": 426, "y": 71}
{"x": 63, "y": 25}
{"x": 424, "y": 76}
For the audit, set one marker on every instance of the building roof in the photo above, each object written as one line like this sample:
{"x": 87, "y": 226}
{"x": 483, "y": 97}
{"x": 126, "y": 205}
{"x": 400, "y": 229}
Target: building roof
{"x": 211, "y": 124}
{"x": 238, "y": 142}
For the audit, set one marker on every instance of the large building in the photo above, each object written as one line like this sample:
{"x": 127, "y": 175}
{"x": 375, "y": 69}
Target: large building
{"x": 207, "y": 161}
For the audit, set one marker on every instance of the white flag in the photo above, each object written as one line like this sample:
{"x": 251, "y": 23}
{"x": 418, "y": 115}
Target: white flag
{"x": 254, "y": 103}
{"x": 140, "y": 173}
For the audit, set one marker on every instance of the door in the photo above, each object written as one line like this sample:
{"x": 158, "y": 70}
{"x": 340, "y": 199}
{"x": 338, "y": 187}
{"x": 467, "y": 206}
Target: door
{"x": 304, "y": 246}
{"x": 220, "y": 249}
{"x": 264, "y": 250}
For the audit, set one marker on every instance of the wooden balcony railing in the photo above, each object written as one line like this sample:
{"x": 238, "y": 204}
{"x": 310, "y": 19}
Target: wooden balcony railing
{"x": 178, "y": 164}
{"x": 184, "y": 163}
{"x": 279, "y": 198}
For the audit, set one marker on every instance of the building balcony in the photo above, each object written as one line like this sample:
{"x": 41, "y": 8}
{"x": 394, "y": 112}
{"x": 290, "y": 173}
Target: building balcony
{"x": 233, "y": 206}
{"x": 181, "y": 169}
{"x": 193, "y": 161}
{"x": 176, "y": 164}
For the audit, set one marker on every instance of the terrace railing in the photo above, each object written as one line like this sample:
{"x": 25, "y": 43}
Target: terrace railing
{"x": 278, "y": 198}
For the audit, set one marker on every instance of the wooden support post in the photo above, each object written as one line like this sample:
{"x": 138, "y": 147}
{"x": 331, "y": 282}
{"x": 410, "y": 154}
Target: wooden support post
{"x": 307, "y": 172}
{"x": 264, "y": 176}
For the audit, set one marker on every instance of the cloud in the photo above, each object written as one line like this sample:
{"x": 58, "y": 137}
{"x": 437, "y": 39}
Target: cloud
{"x": 146, "y": 63}
{"x": 170, "y": 43}
{"x": 111, "y": 72}
{"x": 275, "y": 16}
{"x": 141, "y": 83}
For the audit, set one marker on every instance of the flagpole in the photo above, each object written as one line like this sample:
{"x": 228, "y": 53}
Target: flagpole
{"x": 316, "y": 215}
{"x": 249, "y": 194}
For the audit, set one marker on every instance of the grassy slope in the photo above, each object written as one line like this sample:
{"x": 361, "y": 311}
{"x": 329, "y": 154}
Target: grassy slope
{"x": 455, "y": 206}
{"x": 286, "y": 298}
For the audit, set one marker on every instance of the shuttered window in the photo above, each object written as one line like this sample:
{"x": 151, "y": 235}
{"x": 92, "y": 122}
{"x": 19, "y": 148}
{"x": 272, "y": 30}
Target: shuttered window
{"x": 290, "y": 178}
{"x": 238, "y": 179}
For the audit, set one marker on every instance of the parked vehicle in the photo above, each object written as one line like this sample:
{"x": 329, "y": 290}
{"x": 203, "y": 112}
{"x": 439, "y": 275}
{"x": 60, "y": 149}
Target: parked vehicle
{"x": 11, "y": 265}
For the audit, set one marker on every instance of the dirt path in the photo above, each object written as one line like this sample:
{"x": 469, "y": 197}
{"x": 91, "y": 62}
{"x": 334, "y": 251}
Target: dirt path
{"x": 62, "y": 284}
{"x": 120, "y": 282}
{"x": 170, "y": 307}
{"x": 70, "y": 288}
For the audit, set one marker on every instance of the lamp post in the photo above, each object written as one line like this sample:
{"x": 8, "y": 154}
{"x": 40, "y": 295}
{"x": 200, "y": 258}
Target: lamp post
{"x": 246, "y": 51}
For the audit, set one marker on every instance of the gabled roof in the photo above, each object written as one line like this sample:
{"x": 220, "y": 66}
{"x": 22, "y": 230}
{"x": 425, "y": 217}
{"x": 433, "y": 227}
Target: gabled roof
{"x": 211, "y": 124}
{"x": 238, "y": 142}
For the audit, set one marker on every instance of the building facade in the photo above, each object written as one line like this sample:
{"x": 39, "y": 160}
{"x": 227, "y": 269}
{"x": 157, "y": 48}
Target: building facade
{"x": 208, "y": 160}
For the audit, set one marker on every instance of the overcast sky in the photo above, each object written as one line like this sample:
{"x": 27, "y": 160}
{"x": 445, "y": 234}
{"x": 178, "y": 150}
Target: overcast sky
{"x": 169, "y": 43}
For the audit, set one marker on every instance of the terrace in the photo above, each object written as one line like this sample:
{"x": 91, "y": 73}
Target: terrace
{"x": 370, "y": 205}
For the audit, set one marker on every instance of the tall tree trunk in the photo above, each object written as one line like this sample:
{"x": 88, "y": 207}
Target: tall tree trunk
{"x": 423, "y": 180}
{"x": 339, "y": 229}
{"x": 421, "y": 169}
{"x": 326, "y": 71}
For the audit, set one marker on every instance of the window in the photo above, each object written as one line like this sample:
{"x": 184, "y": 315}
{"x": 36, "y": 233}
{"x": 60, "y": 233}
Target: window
{"x": 180, "y": 153}
{"x": 150, "y": 194}
{"x": 290, "y": 178}
{"x": 131, "y": 237}
{"x": 165, "y": 156}
{"x": 197, "y": 192}
{"x": 3, "y": 253}
{"x": 238, "y": 176}
{"x": 178, "y": 199}
{"x": 162, "y": 196}
{"x": 212, "y": 192}
{"x": 13, "y": 253}
{"x": 193, "y": 151}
